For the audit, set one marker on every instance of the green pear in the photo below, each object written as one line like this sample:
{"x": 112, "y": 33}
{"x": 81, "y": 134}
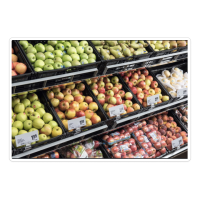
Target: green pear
{"x": 18, "y": 125}
{"x": 112, "y": 43}
{"x": 47, "y": 117}
{"x": 99, "y": 48}
{"x": 126, "y": 51}
{"x": 115, "y": 53}
{"x": 19, "y": 108}
{"x": 112, "y": 57}
{"x": 97, "y": 42}
{"x": 26, "y": 102}
{"x": 121, "y": 41}
{"x": 159, "y": 46}
{"x": 117, "y": 48}
{"x": 21, "y": 117}
{"x": 159, "y": 41}
{"x": 135, "y": 46}
{"x": 53, "y": 124}
{"x": 28, "y": 125}
{"x": 153, "y": 46}
{"x": 41, "y": 111}
{"x": 105, "y": 54}
{"x": 153, "y": 42}
{"x": 38, "y": 123}
{"x": 14, "y": 132}
{"x": 46, "y": 129}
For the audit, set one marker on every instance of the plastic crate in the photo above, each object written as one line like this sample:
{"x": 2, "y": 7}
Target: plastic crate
{"x": 99, "y": 112}
{"x": 55, "y": 118}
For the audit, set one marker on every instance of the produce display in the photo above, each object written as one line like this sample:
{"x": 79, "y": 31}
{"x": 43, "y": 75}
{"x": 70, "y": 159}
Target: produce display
{"x": 173, "y": 80}
{"x": 28, "y": 114}
{"x": 160, "y": 45}
{"x": 17, "y": 67}
{"x": 88, "y": 149}
{"x": 52, "y": 155}
{"x": 182, "y": 113}
{"x": 70, "y": 103}
{"x": 110, "y": 49}
{"x": 58, "y": 54}
{"x": 109, "y": 92}
{"x": 143, "y": 85}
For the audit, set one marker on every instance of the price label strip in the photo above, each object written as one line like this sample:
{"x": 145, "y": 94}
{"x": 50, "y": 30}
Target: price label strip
{"x": 116, "y": 110}
{"x": 177, "y": 143}
{"x": 182, "y": 92}
{"x": 76, "y": 123}
{"x": 26, "y": 138}
{"x": 153, "y": 99}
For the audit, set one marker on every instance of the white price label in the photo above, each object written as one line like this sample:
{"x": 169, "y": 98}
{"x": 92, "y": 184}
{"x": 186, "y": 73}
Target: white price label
{"x": 182, "y": 92}
{"x": 26, "y": 138}
{"x": 76, "y": 123}
{"x": 145, "y": 138}
{"x": 166, "y": 59}
{"x": 154, "y": 136}
{"x": 177, "y": 142}
{"x": 116, "y": 110}
{"x": 153, "y": 99}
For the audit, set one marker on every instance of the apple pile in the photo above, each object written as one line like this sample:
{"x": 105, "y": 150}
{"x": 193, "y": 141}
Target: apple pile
{"x": 70, "y": 103}
{"x": 88, "y": 149}
{"x": 182, "y": 113}
{"x": 160, "y": 45}
{"x": 109, "y": 93}
{"x": 142, "y": 85}
{"x": 28, "y": 114}
{"x": 17, "y": 67}
{"x": 110, "y": 49}
{"x": 58, "y": 54}
{"x": 52, "y": 155}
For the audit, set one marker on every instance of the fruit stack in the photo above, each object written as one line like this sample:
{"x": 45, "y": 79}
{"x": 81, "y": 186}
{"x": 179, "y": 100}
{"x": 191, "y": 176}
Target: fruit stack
{"x": 70, "y": 102}
{"x": 160, "y": 45}
{"x": 52, "y": 155}
{"x": 110, "y": 92}
{"x": 88, "y": 149}
{"x": 182, "y": 114}
{"x": 17, "y": 67}
{"x": 143, "y": 85}
{"x": 58, "y": 54}
{"x": 110, "y": 49}
{"x": 174, "y": 80}
{"x": 28, "y": 114}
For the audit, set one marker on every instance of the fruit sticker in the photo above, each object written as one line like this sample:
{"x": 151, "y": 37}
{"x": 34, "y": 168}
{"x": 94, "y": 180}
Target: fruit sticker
{"x": 124, "y": 148}
{"x": 115, "y": 133}
{"x": 154, "y": 136}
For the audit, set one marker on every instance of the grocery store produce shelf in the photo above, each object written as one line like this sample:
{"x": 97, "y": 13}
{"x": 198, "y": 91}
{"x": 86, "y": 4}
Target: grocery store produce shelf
{"x": 59, "y": 142}
{"x": 176, "y": 152}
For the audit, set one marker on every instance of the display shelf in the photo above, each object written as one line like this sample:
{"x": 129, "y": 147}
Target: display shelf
{"x": 181, "y": 150}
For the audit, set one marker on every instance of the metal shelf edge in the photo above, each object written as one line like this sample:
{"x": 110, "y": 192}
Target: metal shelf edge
{"x": 176, "y": 152}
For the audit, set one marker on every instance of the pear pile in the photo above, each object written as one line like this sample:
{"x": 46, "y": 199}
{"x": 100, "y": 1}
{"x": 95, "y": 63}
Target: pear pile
{"x": 28, "y": 114}
{"x": 160, "y": 45}
{"x": 110, "y": 49}
{"x": 58, "y": 54}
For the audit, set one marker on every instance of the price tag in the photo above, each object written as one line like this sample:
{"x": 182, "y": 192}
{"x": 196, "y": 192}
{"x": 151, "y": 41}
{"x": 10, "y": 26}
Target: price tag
{"x": 116, "y": 110}
{"x": 182, "y": 92}
{"x": 154, "y": 136}
{"x": 164, "y": 60}
{"x": 26, "y": 138}
{"x": 145, "y": 138}
{"x": 153, "y": 99}
{"x": 177, "y": 142}
{"x": 124, "y": 148}
{"x": 76, "y": 123}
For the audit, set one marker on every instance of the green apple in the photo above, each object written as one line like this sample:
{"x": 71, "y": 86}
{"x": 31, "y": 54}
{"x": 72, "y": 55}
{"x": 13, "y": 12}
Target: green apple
{"x": 32, "y": 97}
{"x": 84, "y": 56}
{"x": 22, "y": 132}
{"x": 31, "y": 50}
{"x": 39, "y": 64}
{"x": 47, "y": 117}
{"x": 49, "y": 48}
{"x": 46, "y": 129}
{"x": 41, "y": 111}
{"x": 83, "y": 43}
{"x": 31, "y": 57}
{"x": 29, "y": 111}
{"x": 48, "y": 137}
{"x": 75, "y": 63}
{"x": 21, "y": 93}
{"x": 84, "y": 61}
{"x": 15, "y": 101}
{"x": 28, "y": 125}
{"x": 64, "y": 52}
{"x": 38, "y": 123}
{"x": 34, "y": 115}
{"x": 49, "y": 55}
{"x": 60, "y": 46}
{"x": 80, "y": 49}
{"x": 42, "y": 105}
{"x": 33, "y": 129}
{"x": 74, "y": 43}
{"x": 52, "y": 42}
{"x": 21, "y": 117}
{"x": 67, "y": 45}
{"x": 40, "y": 56}
{"x": 18, "y": 125}
{"x": 61, "y": 41}
{"x": 92, "y": 55}
{"x": 71, "y": 50}
{"x": 57, "y": 53}
{"x": 53, "y": 124}
{"x": 24, "y": 44}
{"x": 40, "y": 47}
{"x": 26, "y": 102}
{"x": 42, "y": 137}
{"x": 75, "y": 57}
{"x": 19, "y": 108}
{"x": 22, "y": 96}
{"x": 14, "y": 116}
{"x": 48, "y": 67}
{"x": 91, "y": 60}
{"x": 37, "y": 69}
{"x": 66, "y": 58}
{"x": 56, "y": 131}
{"x": 30, "y": 45}
{"x": 57, "y": 65}
{"x": 49, "y": 61}
{"x": 57, "y": 59}
{"x": 88, "y": 50}
{"x": 35, "y": 105}
{"x": 14, "y": 132}
{"x": 67, "y": 64}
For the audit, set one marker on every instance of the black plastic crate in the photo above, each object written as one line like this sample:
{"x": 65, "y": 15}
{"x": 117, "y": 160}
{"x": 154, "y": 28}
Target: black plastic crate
{"x": 100, "y": 113}
{"x": 55, "y": 72}
{"x": 120, "y": 60}
{"x": 55, "y": 118}
{"x": 158, "y": 70}
{"x": 22, "y": 59}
